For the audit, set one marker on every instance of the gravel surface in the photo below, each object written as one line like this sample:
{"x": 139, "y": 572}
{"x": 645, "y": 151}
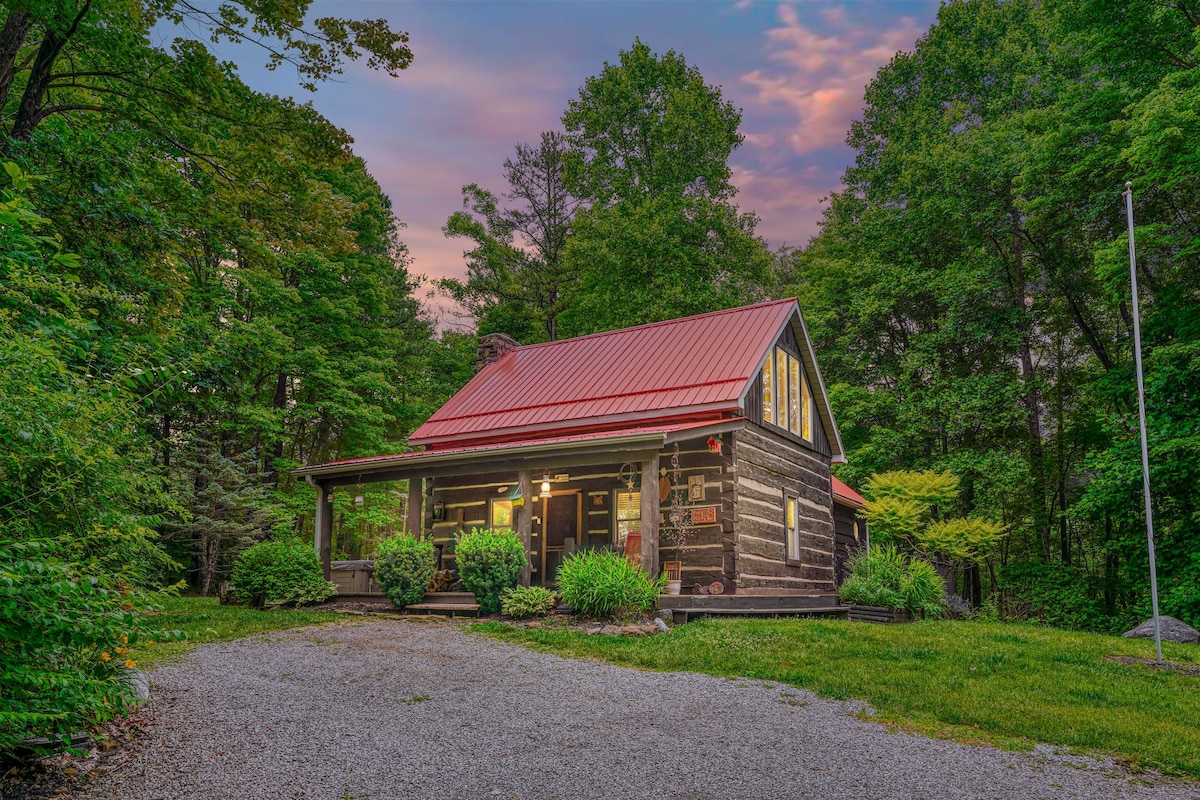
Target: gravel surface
{"x": 406, "y": 709}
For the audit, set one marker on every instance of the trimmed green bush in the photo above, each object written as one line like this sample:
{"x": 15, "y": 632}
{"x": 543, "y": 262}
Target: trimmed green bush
{"x": 601, "y": 583}
{"x": 885, "y": 577}
{"x": 284, "y": 571}
{"x": 489, "y": 561}
{"x": 527, "y": 601}
{"x": 404, "y": 568}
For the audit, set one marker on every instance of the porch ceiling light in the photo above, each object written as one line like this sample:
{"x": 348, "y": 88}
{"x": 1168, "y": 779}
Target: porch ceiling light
{"x": 546, "y": 483}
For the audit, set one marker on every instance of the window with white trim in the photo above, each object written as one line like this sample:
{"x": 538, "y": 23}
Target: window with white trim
{"x": 786, "y": 399}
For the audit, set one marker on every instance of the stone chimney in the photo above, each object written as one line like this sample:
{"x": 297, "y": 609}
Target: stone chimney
{"x": 491, "y": 347}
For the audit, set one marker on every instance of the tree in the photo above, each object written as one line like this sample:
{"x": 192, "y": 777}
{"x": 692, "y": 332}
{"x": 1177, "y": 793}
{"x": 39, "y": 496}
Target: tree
{"x": 660, "y": 237}
{"x": 516, "y": 277}
{"x": 84, "y": 56}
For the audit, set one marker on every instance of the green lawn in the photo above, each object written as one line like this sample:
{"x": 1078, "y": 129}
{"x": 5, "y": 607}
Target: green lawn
{"x": 204, "y": 620}
{"x": 1010, "y": 685}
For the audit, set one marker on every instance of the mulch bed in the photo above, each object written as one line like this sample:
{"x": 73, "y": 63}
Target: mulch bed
{"x": 63, "y": 773}
{"x": 1191, "y": 672}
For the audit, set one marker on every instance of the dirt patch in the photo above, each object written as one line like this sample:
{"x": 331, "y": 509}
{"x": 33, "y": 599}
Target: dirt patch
{"x": 1182, "y": 669}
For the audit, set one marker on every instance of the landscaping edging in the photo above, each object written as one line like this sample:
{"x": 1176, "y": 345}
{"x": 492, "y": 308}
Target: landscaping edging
{"x": 886, "y": 616}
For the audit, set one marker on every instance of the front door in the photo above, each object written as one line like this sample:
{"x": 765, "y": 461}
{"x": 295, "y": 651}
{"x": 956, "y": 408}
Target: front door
{"x": 558, "y": 532}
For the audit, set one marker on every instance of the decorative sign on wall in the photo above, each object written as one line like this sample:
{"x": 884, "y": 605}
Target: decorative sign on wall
{"x": 696, "y": 488}
{"x": 706, "y": 515}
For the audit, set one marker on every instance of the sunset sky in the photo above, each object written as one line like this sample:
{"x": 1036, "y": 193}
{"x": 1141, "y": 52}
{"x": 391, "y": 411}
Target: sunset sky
{"x": 486, "y": 75}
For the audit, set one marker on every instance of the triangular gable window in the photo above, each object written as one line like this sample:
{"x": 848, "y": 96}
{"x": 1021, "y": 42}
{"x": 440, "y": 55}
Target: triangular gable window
{"x": 787, "y": 400}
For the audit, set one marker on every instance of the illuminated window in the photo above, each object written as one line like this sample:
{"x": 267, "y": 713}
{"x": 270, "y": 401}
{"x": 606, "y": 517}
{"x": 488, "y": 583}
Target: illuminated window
{"x": 502, "y": 514}
{"x": 768, "y": 384}
{"x": 806, "y": 406}
{"x": 628, "y": 512}
{"x": 793, "y": 528}
{"x": 787, "y": 400}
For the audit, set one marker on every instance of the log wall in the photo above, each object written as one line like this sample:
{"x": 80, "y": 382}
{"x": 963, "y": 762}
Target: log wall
{"x": 845, "y": 543}
{"x": 767, "y": 466}
{"x": 708, "y": 554}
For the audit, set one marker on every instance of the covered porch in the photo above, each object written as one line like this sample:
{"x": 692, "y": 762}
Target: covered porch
{"x": 598, "y": 490}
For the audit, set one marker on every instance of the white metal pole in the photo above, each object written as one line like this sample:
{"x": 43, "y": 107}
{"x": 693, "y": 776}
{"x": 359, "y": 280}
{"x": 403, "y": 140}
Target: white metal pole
{"x": 1137, "y": 360}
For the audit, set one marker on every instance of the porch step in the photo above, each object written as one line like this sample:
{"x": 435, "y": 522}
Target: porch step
{"x": 449, "y": 609}
{"x": 448, "y": 597}
{"x": 681, "y": 616}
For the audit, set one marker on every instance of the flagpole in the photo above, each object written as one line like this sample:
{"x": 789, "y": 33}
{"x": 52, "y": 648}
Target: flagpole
{"x": 1137, "y": 359}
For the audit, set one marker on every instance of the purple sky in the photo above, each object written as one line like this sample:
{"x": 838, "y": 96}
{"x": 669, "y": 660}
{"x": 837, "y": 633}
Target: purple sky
{"x": 488, "y": 75}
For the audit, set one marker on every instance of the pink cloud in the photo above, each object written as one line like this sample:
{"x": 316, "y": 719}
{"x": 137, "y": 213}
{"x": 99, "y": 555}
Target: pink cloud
{"x": 820, "y": 77}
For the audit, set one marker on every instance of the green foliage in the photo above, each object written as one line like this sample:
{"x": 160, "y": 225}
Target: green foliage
{"x": 885, "y": 577}
{"x": 65, "y": 638}
{"x": 527, "y": 601}
{"x": 517, "y": 280}
{"x": 404, "y": 567}
{"x": 600, "y": 583}
{"x": 904, "y": 508}
{"x": 284, "y": 571}
{"x": 1053, "y": 595}
{"x": 1006, "y": 684}
{"x": 969, "y": 290}
{"x": 489, "y": 561}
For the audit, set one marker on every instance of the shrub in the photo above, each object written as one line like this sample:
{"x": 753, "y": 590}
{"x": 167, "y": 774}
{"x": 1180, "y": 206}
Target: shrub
{"x": 283, "y": 571}
{"x": 489, "y": 561}
{"x": 64, "y": 644}
{"x": 404, "y": 568}
{"x": 527, "y": 601}
{"x": 882, "y": 576}
{"x": 600, "y": 583}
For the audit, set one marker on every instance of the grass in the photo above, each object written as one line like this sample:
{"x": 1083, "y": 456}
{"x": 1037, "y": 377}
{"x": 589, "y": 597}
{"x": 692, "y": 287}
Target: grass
{"x": 1009, "y": 685}
{"x": 204, "y": 620}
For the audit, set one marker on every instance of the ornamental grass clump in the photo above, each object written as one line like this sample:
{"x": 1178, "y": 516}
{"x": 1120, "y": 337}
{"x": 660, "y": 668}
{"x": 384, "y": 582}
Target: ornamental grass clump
{"x": 885, "y": 577}
{"x": 523, "y": 602}
{"x": 599, "y": 583}
{"x": 281, "y": 571}
{"x": 404, "y": 568}
{"x": 489, "y": 561}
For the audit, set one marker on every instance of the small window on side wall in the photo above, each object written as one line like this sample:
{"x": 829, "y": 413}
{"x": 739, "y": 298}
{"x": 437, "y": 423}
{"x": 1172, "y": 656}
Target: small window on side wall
{"x": 792, "y": 521}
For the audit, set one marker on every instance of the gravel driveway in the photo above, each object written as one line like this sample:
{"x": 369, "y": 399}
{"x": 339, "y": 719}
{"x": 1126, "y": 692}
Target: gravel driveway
{"x": 407, "y": 709}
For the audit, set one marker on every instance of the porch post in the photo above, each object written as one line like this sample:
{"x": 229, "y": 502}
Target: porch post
{"x": 323, "y": 527}
{"x": 650, "y": 516}
{"x": 412, "y": 520}
{"x": 525, "y": 521}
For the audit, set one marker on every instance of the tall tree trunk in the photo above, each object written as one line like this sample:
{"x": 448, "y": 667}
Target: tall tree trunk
{"x": 31, "y": 112}
{"x": 12, "y": 39}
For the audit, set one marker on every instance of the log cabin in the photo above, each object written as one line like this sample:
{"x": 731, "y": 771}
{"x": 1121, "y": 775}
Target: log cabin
{"x": 703, "y": 444}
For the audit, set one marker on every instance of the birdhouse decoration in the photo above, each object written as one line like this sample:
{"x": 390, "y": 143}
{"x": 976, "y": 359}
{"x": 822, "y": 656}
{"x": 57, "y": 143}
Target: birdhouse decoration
{"x": 714, "y": 445}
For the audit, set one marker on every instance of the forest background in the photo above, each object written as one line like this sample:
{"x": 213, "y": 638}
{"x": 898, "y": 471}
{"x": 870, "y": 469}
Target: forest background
{"x": 202, "y": 287}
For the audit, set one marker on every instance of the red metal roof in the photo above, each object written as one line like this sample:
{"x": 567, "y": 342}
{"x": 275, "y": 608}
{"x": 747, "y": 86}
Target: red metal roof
{"x": 843, "y": 492}
{"x": 376, "y": 462}
{"x": 690, "y": 368}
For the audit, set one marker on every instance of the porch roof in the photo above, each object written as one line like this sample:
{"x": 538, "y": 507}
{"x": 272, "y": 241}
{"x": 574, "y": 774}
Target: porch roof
{"x": 614, "y": 445}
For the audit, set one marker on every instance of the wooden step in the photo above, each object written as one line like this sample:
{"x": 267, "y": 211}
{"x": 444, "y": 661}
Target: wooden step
{"x": 449, "y": 609}
{"x": 465, "y": 598}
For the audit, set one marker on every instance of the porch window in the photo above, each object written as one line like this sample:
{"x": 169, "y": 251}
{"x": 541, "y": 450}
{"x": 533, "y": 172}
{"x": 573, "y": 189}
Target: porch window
{"x": 501, "y": 515}
{"x": 793, "y": 528}
{"x": 627, "y": 510}
{"x": 787, "y": 400}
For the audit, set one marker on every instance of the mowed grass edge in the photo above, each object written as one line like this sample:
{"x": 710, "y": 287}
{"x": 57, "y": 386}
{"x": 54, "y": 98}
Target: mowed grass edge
{"x": 1008, "y": 685}
{"x": 204, "y": 620}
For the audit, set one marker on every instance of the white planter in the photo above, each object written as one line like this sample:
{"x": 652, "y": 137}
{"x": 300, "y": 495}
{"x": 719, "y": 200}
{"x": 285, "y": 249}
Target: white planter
{"x": 673, "y": 587}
